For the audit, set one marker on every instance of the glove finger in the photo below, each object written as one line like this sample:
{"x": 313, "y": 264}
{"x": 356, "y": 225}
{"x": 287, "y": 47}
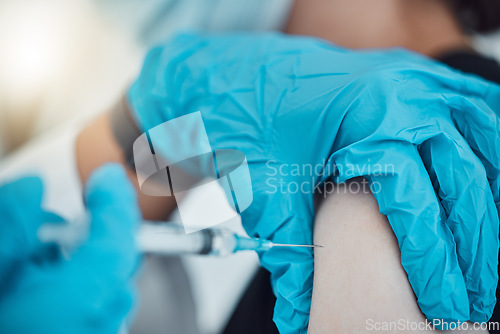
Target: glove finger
{"x": 461, "y": 183}
{"x": 112, "y": 203}
{"x": 405, "y": 195}
{"x": 21, "y": 215}
{"x": 102, "y": 268}
{"x": 291, "y": 269}
{"x": 480, "y": 126}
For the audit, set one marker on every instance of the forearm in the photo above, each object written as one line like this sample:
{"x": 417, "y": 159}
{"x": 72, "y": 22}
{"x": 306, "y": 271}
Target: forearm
{"x": 96, "y": 145}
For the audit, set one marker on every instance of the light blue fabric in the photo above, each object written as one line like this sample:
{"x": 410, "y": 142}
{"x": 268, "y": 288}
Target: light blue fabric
{"x": 42, "y": 292}
{"x": 287, "y": 101}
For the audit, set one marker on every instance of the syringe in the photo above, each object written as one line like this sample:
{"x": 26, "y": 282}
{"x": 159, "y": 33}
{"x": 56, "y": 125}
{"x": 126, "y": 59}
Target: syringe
{"x": 167, "y": 239}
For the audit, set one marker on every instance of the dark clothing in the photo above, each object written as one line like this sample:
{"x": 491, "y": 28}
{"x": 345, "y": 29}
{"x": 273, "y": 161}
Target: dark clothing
{"x": 255, "y": 311}
{"x": 471, "y": 62}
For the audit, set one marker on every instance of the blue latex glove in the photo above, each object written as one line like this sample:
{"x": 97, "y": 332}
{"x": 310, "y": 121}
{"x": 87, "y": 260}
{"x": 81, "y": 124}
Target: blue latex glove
{"x": 19, "y": 222}
{"x": 89, "y": 293}
{"x": 295, "y": 100}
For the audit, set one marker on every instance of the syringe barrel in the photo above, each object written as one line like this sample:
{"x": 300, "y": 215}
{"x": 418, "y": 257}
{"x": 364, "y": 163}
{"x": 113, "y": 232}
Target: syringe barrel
{"x": 152, "y": 238}
{"x": 171, "y": 239}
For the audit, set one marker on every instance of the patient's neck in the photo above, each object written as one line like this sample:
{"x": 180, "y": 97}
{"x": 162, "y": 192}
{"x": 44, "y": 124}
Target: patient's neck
{"x": 425, "y": 26}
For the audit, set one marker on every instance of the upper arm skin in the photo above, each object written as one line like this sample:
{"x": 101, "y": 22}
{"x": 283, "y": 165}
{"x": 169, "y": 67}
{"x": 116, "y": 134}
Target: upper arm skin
{"x": 95, "y": 146}
{"x": 358, "y": 277}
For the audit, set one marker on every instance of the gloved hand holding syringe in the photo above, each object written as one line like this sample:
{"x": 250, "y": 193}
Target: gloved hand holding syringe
{"x": 167, "y": 239}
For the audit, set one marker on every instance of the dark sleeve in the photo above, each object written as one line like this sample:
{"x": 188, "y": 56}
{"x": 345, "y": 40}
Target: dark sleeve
{"x": 254, "y": 313}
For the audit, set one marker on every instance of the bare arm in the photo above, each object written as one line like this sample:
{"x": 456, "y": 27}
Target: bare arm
{"x": 96, "y": 145}
{"x": 358, "y": 278}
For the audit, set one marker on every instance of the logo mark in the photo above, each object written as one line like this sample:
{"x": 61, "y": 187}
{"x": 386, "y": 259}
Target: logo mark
{"x": 176, "y": 157}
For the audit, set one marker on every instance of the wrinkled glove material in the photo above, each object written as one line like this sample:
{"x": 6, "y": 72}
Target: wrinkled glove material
{"x": 425, "y": 136}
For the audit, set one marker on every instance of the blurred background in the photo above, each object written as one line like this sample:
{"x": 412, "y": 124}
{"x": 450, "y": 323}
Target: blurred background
{"x": 62, "y": 60}
{"x": 59, "y": 60}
